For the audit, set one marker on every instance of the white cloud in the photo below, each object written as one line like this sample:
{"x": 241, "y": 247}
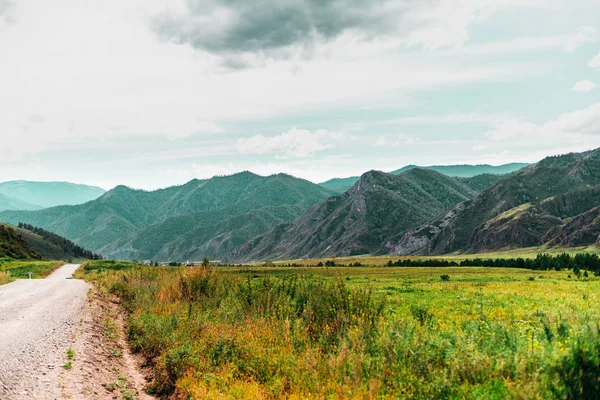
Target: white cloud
{"x": 298, "y": 143}
{"x": 585, "y": 34}
{"x": 595, "y": 62}
{"x": 395, "y": 140}
{"x": 583, "y": 86}
{"x": 569, "y": 42}
{"x": 447, "y": 22}
{"x": 6, "y": 12}
{"x": 575, "y": 127}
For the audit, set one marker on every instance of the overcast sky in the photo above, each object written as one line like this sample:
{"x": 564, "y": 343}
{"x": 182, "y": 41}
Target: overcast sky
{"x": 151, "y": 93}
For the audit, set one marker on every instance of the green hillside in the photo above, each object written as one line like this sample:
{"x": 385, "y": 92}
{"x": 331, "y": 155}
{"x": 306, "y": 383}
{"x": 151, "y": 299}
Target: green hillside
{"x": 203, "y": 218}
{"x": 13, "y": 245}
{"x": 340, "y": 185}
{"x": 48, "y": 194}
{"x": 47, "y": 245}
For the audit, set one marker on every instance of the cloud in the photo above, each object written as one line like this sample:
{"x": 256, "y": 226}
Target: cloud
{"x": 595, "y": 62}
{"x": 33, "y": 133}
{"x": 283, "y": 29}
{"x": 585, "y": 34}
{"x": 226, "y": 26}
{"x": 583, "y": 86}
{"x": 6, "y": 6}
{"x": 296, "y": 143}
{"x": 395, "y": 141}
{"x": 577, "y": 126}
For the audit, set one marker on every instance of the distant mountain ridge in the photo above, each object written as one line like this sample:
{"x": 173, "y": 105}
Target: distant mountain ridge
{"x": 37, "y": 195}
{"x": 199, "y": 219}
{"x": 340, "y": 185}
{"x": 11, "y": 203}
{"x": 360, "y": 220}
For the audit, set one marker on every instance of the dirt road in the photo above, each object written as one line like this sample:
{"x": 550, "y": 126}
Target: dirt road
{"x": 37, "y": 321}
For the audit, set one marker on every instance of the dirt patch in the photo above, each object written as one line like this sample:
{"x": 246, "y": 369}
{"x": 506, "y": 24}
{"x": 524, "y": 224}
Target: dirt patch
{"x": 102, "y": 366}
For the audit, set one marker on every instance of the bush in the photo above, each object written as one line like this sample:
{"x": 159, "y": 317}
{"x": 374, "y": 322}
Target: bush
{"x": 445, "y": 278}
{"x": 578, "y": 372}
{"x": 422, "y": 314}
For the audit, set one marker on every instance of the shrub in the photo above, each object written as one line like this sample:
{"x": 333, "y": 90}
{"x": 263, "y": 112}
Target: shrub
{"x": 578, "y": 371}
{"x": 422, "y": 314}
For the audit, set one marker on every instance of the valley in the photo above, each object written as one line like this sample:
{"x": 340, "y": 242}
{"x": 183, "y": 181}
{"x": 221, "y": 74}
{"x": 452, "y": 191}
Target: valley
{"x": 417, "y": 284}
{"x": 297, "y": 200}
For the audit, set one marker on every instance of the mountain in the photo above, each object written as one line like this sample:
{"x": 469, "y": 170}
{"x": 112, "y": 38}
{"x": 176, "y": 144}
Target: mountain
{"x": 49, "y": 194}
{"x": 13, "y": 245}
{"x": 360, "y": 220}
{"x": 583, "y": 230}
{"x": 548, "y": 203}
{"x": 340, "y": 185}
{"x": 467, "y": 171}
{"x": 11, "y": 203}
{"x": 203, "y": 218}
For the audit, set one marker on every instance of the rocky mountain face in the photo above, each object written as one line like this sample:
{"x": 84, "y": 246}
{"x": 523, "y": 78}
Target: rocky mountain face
{"x": 361, "y": 220}
{"x": 523, "y": 210}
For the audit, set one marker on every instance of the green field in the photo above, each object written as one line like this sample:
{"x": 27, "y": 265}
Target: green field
{"x": 361, "y": 332}
{"x": 369, "y": 260}
{"x": 15, "y": 269}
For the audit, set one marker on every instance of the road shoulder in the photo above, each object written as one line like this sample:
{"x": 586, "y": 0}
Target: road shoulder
{"x": 103, "y": 367}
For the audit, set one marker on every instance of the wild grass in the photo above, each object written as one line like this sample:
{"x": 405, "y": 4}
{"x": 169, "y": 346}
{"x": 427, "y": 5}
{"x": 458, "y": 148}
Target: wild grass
{"x": 5, "y": 278}
{"x": 361, "y": 332}
{"x": 15, "y": 269}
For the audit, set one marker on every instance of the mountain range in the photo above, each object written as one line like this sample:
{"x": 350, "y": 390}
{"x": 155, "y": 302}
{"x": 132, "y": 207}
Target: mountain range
{"x": 340, "y": 185}
{"x": 360, "y": 220}
{"x": 414, "y": 211}
{"x": 551, "y": 203}
{"x": 27, "y": 195}
{"x": 199, "y": 219}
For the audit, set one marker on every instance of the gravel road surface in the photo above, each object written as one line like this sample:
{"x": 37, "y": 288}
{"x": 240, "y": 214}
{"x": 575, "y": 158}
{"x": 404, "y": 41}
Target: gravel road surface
{"x": 37, "y": 320}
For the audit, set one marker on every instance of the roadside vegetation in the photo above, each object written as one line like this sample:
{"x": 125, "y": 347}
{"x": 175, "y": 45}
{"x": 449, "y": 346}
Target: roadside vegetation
{"x": 17, "y": 269}
{"x": 361, "y": 332}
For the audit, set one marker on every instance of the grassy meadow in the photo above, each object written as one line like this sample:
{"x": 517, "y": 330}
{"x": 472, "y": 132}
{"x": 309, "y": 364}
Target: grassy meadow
{"x": 15, "y": 269}
{"x": 527, "y": 253}
{"x": 360, "y": 332}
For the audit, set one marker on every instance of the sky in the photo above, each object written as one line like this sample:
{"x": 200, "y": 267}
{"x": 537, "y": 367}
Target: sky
{"x": 153, "y": 93}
